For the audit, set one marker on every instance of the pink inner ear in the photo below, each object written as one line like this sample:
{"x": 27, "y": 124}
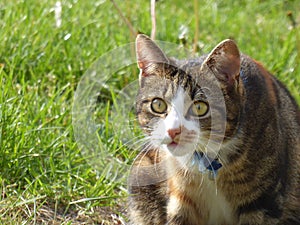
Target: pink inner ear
{"x": 141, "y": 65}
{"x": 224, "y": 60}
{"x": 148, "y": 52}
{"x": 230, "y": 67}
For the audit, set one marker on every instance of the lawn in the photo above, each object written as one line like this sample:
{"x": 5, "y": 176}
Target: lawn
{"x": 59, "y": 167}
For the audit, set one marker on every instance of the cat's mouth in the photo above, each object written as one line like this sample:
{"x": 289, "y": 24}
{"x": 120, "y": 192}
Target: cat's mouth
{"x": 173, "y": 144}
{"x": 178, "y": 148}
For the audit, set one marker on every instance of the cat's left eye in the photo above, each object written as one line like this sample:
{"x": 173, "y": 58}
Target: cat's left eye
{"x": 199, "y": 109}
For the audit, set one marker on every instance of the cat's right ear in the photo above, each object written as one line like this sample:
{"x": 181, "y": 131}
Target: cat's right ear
{"x": 225, "y": 62}
{"x": 148, "y": 54}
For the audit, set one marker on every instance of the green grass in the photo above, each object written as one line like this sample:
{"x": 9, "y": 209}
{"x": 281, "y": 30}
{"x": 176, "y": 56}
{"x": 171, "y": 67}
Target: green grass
{"x": 44, "y": 176}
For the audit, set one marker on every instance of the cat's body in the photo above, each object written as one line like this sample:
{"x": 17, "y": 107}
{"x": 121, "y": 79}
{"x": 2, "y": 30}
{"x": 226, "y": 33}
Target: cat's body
{"x": 228, "y": 107}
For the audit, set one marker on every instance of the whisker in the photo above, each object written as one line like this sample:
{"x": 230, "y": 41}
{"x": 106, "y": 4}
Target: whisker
{"x": 136, "y": 141}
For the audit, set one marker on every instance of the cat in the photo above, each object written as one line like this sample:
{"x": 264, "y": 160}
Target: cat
{"x": 221, "y": 145}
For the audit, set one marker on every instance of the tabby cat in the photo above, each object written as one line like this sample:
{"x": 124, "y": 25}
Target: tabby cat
{"x": 222, "y": 141}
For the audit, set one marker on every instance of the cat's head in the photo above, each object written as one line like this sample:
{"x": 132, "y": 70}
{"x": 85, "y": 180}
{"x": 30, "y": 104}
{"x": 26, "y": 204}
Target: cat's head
{"x": 191, "y": 106}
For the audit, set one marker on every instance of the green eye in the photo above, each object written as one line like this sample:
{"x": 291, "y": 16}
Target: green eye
{"x": 199, "y": 108}
{"x": 158, "y": 105}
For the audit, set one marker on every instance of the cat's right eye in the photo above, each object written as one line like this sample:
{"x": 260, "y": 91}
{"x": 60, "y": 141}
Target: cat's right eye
{"x": 158, "y": 105}
{"x": 199, "y": 109}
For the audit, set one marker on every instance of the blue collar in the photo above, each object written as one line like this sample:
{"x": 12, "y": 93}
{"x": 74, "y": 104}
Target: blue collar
{"x": 205, "y": 163}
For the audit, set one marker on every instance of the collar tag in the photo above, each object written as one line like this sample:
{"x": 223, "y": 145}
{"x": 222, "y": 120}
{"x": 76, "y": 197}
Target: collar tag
{"x": 206, "y": 164}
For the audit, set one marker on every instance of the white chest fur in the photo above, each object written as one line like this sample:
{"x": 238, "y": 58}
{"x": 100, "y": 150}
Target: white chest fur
{"x": 210, "y": 205}
{"x": 219, "y": 209}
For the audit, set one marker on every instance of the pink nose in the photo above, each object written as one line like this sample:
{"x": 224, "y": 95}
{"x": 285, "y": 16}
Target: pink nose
{"x": 174, "y": 132}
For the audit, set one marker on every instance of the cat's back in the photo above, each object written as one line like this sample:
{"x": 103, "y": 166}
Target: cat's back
{"x": 275, "y": 114}
{"x": 264, "y": 91}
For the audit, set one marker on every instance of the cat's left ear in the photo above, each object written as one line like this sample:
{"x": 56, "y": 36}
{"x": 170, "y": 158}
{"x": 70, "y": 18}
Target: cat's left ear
{"x": 225, "y": 62}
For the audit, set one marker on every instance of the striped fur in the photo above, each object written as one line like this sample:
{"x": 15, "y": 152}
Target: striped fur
{"x": 259, "y": 182}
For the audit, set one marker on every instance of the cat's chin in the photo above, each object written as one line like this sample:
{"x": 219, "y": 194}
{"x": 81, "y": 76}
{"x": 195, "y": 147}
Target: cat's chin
{"x": 178, "y": 149}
